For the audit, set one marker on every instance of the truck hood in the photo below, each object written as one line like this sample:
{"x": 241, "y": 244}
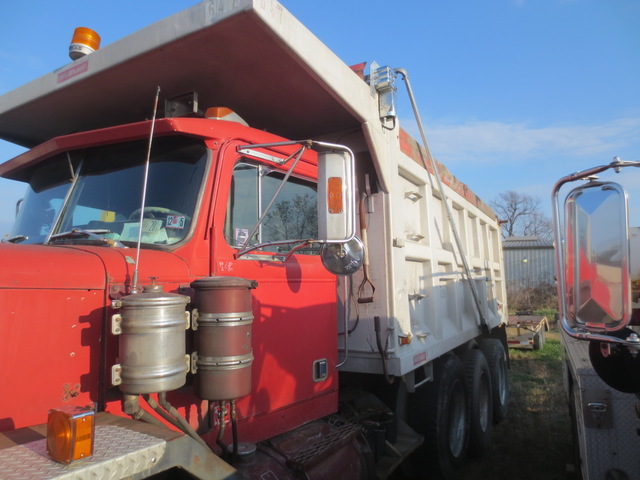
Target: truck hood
{"x": 84, "y": 267}
{"x": 55, "y": 305}
{"x": 37, "y": 266}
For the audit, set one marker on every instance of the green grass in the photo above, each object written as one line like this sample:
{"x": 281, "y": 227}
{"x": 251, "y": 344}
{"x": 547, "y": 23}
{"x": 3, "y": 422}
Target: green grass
{"x": 547, "y": 312}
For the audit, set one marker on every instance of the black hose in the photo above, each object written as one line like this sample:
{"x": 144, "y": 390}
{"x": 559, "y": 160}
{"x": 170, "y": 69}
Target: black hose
{"x": 376, "y": 326}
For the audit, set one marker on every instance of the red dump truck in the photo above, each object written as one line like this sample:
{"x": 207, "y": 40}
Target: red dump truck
{"x": 231, "y": 262}
{"x": 598, "y": 267}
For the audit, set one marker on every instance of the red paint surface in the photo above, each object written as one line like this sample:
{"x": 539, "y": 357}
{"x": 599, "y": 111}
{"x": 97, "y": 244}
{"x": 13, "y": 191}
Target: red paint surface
{"x": 55, "y": 306}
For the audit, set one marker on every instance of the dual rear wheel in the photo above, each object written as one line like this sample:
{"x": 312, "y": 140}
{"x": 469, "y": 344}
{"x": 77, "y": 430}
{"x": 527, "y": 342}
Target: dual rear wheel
{"x": 456, "y": 411}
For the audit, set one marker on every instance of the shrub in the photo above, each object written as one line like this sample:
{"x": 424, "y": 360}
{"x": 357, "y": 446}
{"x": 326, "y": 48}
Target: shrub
{"x": 543, "y": 296}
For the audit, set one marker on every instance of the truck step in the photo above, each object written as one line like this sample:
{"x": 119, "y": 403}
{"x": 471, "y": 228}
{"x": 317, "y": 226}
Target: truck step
{"x": 342, "y": 432}
{"x": 123, "y": 448}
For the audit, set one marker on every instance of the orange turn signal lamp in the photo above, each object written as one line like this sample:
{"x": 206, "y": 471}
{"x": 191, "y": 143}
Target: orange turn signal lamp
{"x": 334, "y": 193}
{"x": 83, "y": 42}
{"x": 70, "y": 433}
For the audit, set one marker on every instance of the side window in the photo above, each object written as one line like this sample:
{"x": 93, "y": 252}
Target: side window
{"x": 291, "y": 216}
{"x": 243, "y": 208}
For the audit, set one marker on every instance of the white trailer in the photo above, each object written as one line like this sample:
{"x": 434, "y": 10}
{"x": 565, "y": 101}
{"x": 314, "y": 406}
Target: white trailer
{"x": 604, "y": 420}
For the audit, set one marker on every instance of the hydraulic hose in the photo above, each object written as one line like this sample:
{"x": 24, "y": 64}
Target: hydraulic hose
{"x": 132, "y": 407}
{"x": 221, "y": 415}
{"x": 184, "y": 425}
{"x": 376, "y": 326}
{"x": 164, "y": 414}
{"x": 234, "y": 432}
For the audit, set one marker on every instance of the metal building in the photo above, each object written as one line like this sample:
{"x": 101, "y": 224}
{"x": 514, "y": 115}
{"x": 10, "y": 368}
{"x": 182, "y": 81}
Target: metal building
{"x": 529, "y": 261}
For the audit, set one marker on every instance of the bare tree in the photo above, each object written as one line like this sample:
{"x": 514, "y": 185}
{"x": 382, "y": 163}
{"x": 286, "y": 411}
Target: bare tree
{"x": 293, "y": 219}
{"x": 521, "y": 215}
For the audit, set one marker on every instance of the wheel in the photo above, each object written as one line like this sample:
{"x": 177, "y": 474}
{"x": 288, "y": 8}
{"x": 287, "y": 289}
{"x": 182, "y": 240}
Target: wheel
{"x": 438, "y": 411}
{"x": 480, "y": 396}
{"x": 536, "y": 342}
{"x": 496, "y": 356}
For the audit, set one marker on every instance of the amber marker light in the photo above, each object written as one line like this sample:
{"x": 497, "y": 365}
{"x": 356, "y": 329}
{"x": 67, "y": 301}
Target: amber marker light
{"x": 70, "y": 433}
{"x": 334, "y": 192}
{"x": 83, "y": 42}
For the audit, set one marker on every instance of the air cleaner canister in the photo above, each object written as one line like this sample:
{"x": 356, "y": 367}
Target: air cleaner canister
{"x": 152, "y": 343}
{"x": 222, "y": 325}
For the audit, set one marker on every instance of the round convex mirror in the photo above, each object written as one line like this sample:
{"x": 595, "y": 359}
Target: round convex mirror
{"x": 343, "y": 258}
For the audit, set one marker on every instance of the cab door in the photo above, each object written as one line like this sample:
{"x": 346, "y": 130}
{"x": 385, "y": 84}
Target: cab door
{"x": 294, "y": 334}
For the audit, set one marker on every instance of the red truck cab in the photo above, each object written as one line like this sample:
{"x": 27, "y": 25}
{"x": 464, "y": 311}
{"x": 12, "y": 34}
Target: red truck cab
{"x": 202, "y": 200}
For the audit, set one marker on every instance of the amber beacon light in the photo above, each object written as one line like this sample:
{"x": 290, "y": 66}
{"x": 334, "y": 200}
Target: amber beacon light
{"x": 70, "y": 434}
{"x": 83, "y": 42}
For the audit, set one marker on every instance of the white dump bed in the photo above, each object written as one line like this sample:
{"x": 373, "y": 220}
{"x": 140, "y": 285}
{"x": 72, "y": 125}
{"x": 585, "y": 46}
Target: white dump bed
{"x": 422, "y": 298}
{"x": 253, "y": 56}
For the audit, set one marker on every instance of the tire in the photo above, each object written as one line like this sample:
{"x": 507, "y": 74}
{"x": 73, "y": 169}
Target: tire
{"x": 439, "y": 412}
{"x": 480, "y": 397}
{"x": 496, "y": 356}
{"x": 536, "y": 342}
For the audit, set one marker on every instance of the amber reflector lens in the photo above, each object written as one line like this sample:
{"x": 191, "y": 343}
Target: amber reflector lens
{"x": 334, "y": 192}
{"x": 70, "y": 434}
{"x": 217, "y": 112}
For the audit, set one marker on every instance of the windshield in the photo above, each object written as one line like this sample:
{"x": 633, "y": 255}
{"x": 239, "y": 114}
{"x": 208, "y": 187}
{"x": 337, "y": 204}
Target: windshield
{"x": 106, "y": 196}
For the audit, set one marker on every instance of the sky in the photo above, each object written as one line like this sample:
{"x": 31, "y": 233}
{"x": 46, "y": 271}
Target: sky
{"x": 514, "y": 94}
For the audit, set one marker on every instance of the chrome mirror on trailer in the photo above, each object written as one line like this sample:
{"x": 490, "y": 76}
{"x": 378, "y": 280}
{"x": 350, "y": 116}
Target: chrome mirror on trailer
{"x": 596, "y": 271}
{"x": 593, "y": 264}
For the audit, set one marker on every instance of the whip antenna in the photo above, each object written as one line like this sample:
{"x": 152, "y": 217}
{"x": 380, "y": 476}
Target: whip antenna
{"x": 134, "y": 286}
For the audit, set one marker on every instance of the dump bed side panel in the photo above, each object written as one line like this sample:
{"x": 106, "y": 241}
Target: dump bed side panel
{"x": 422, "y": 298}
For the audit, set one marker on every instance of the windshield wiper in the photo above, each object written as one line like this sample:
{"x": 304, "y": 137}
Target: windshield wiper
{"x": 93, "y": 234}
{"x": 17, "y": 239}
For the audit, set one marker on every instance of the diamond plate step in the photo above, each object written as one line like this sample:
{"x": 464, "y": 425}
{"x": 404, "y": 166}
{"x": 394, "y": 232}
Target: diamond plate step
{"x": 123, "y": 448}
{"x": 118, "y": 452}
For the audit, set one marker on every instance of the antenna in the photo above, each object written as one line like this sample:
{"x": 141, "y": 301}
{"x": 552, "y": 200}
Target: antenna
{"x": 134, "y": 286}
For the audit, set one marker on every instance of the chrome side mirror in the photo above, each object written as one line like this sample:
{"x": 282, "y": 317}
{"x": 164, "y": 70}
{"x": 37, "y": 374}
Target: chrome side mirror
{"x": 336, "y": 195}
{"x": 595, "y": 273}
{"x": 596, "y": 266}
